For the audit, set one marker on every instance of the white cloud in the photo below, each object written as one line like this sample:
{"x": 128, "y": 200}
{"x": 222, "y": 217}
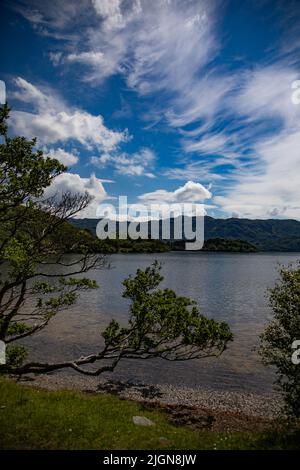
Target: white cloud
{"x": 264, "y": 181}
{"x": 200, "y": 99}
{"x": 271, "y": 187}
{"x": 169, "y": 47}
{"x": 276, "y": 191}
{"x": 163, "y": 46}
{"x": 136, "y": 164}
{"x": 197, "y": 170}
{"x": 210, "y": 144}
{"x": 190, "y": 192}
{"x": 87, "y": 58}
{"x": 133, "y": 170}
{"x": 28, "y": 93}
{"x": 66, "y": 158}
{"x": 185, "y": 200}
{"x": 53, "y": 121}
{"x": 50, "y": 17}
{"x": 75, "y": 184}
{"x": 105, "y": 48}
{"x": 157, "y": 45}
{"x": 110, "y": 10}
{"x": 267, "y": 93}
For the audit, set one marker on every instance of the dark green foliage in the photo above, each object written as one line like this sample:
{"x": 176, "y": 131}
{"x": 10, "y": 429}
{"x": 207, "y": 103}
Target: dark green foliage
{"x": 220, "y": 244}
{"x": 164, "y": 324}
{"x": 33, "y": 236}
{"x": 73, "y": 239}
{"x": 15, "y": 355}
{"x": 133, "y": 246}
{"x": 235, "y": 246}
{"x": 277, "y": 339}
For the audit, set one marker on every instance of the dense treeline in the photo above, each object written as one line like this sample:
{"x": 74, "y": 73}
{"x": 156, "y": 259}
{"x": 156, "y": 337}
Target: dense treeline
{"x": 72, "y": 240}
{"x": 265, "y": 235}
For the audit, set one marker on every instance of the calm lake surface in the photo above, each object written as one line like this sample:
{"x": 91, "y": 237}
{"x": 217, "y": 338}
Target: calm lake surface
{"x": 228, "y": 287}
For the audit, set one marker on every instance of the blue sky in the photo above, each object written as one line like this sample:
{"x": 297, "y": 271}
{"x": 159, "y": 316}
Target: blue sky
{"x": 162, "y": 101}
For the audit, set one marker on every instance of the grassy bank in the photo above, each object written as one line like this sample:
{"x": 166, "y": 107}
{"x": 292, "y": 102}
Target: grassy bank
{"x": 39, "y": 419}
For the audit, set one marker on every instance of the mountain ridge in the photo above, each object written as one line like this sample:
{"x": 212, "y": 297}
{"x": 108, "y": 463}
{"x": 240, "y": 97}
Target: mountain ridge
{"x": 264, "y": 234}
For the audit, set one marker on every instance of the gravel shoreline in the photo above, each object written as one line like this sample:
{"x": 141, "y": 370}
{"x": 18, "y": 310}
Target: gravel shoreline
{"x": 248, "y": 404}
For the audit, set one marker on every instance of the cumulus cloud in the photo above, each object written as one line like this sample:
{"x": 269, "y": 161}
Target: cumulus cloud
{"x": 190, "y": 192}
{"x": 53, "y": 121}
{"x": 185, "y": 200}
{"x": 66, "y": 158}
{"x": 75, "y": 184}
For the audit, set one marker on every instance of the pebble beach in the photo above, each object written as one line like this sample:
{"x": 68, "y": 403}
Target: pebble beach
{"x": 236, "y": 406}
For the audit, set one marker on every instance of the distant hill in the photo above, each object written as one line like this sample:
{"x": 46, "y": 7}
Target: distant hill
{"x": 265, "y": 235}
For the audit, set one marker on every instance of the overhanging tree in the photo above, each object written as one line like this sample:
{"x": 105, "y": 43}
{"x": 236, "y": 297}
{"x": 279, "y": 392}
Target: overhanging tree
{"x": 161, "y": 324}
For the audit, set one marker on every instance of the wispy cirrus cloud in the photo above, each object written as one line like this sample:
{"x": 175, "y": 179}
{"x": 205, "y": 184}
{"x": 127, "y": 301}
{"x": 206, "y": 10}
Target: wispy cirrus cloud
{"x": 158, "y": 45}
{"x": 237, "y": 125}
{"x": 265, "y": 102}
{"x": 52, "y": 18}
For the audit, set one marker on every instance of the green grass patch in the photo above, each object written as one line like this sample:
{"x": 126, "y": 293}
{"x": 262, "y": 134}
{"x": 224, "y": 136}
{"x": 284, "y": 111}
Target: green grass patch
{"x": 39, "y": 419}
